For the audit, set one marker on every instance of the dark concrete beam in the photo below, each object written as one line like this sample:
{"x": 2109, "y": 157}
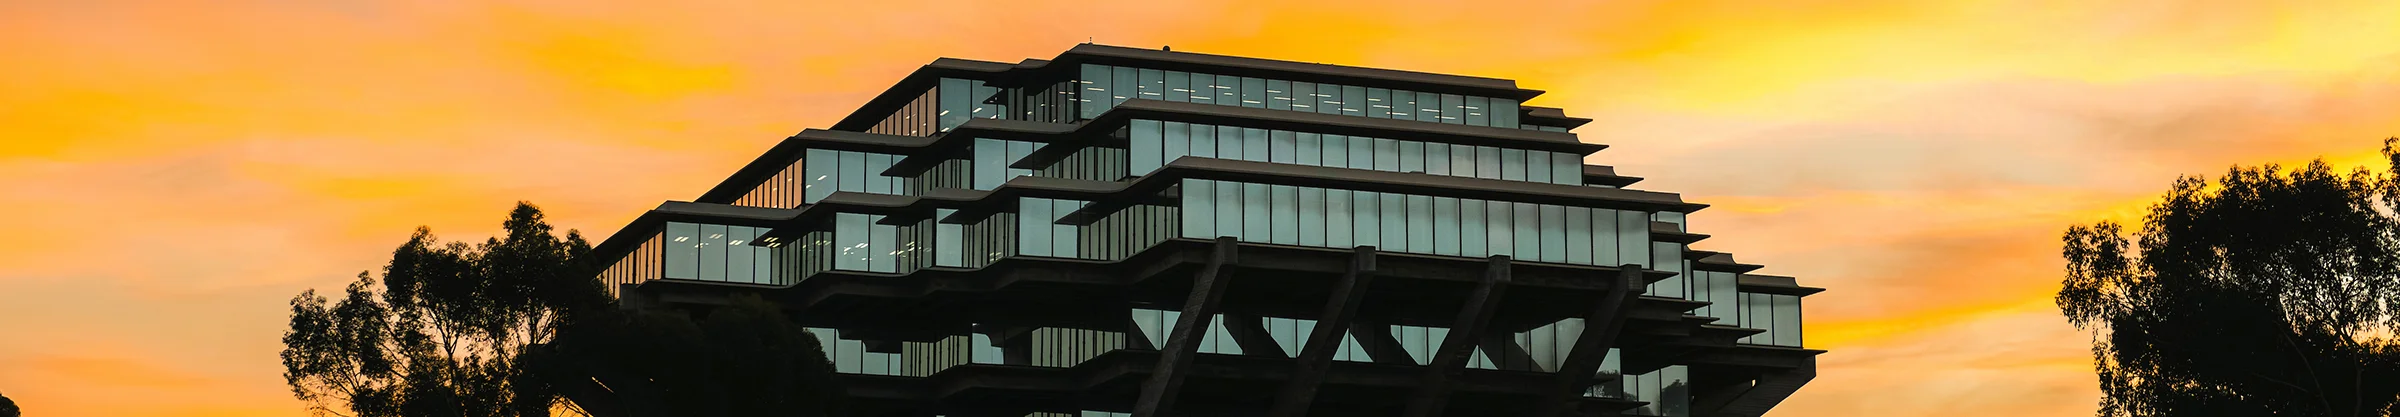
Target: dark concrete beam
{"x": 1770, "y": 389}
{"x": 1183, "y": 342}
{"x": 1381, "y": 346}
{"x": 1326, "y": 339}
{"x": 1250, "y": 332}
{"x": 1433, "y": 389}
{"x": 1600, "y": 329}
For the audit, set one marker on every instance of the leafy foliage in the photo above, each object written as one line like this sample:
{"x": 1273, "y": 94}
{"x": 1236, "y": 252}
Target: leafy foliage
{"x": 2269, "y": 292}
{"x": 8, "y": 408}
{"x": 443, "y": 331}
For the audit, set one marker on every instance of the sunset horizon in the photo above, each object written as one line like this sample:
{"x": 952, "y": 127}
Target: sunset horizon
{"x": 179, "y": 171}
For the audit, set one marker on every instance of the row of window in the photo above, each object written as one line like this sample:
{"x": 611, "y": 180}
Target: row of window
{"x": 1310, "y": 216}
{"x": 827, "y": 171}
{"x": 1155, "y": 143}
{"x": 1104, "y": 87}
{"x": 714, "y": 252}
{"x": 1778, "y": 314}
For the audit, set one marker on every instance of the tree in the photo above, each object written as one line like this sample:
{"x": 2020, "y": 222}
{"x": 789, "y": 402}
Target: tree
{"x": 2268, "y": 292}
{"x": 8, "y": 408}
{"x": 442, "y": 332}
{"x": 745, "y": 359}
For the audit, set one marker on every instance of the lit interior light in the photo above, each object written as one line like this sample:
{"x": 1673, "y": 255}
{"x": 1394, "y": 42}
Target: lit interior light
{"x": 735, "y": 242}
{"x": 682, "y": 238}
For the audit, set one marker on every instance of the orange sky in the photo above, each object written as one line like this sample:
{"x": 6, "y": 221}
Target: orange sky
{"x": 175, "y": 170}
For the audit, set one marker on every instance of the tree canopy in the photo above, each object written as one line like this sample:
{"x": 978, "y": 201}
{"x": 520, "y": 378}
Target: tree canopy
{"x": 517, "y": 325}
{"x": 441, "y": 333}
{"x": 8, "y": 408}
{"x": 2266, "y": 292}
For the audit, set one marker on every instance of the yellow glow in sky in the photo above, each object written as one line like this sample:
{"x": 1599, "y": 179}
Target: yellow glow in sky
{"x": 176, "y": 170}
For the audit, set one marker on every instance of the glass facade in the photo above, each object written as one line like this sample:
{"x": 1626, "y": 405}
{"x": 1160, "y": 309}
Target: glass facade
{"x": 1155, "y": 143}
{"x": 1778, "y": 314}
{"x": 1103, "y": 87}
{"x": 1256, "y": 213}
{"x": 1308, "y": 216}
{"x": 857, "y": 172}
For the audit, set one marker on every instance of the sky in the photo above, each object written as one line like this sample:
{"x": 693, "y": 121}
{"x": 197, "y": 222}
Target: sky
{"x": 172, "y": 172}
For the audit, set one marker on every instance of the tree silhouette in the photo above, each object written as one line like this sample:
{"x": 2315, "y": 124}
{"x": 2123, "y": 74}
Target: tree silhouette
{"x": 746, "y": 359}
{"x": 8, "y": 408}
{"x": 441, "y": 334}
{"x": 2268, "y": 292}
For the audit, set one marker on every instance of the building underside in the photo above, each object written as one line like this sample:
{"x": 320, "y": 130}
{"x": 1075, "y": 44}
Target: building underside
{"x": 1141, "y": 232}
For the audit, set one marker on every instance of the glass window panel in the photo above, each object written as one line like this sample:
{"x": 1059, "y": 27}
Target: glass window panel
{"x": 682, "y": 246}
{"x": 712, "y": 252}
{"x": 1437, "y": 158}
{"x": 1148, "y": 144}
{"x": 1472, "y": 225}
{"x": 737, "y": 254}
{"x": 1404, "y": 105}
{"x": 1125, "y": 79}
{"x": 1604, "y": 238}
{"x": 1204, "y": 88}
{"x": 949, "y": 241}
{"x": 1366, "y": 225}
{"x": 1153, "y": 83}
{"x": 1254, "y": 144}
{"x": 1420, "y": 224}
{"x": 850, "y": 242}
{"x": 1178, "y": 142}
{"x": 1230, "y": 210}
{"x": 1394, "y": 213}
{"x": 1229, "y": 90}
{"x": 1554, "y": 233}
{"x": 1362, "y": 152}
{"x": 1387, "y": 155}
{"x": 1033, "y": 233}
{"x": 1633, "y": 238}
{"x": 1429, "y": 107}
{"x": 1479, "y": 111}
{"x": 881, "y": 240}
{"x": 1254, "y": 92}
{"x": 956, "y": 101}
{"x": 1354, "y": 100}
{"x": 1537, "y": 167}
{"x": 853, "y": 171}
{"x": 1093, "y": 97}
{"x": 1179, "y": 86}
{"x": 1578, "y": 229}
{"x": 1787, "y": 319}
{"x": 1204, "y": 140}
{"x": 1504, "y": 113}
{"x": 819, "y": 167}
{"x": 1284, "y": 215}
{"x": 1279, "y": 95}
{"x": 1379, "y": 103}
{"x": 1500, "y": 231}
{"x": 877, "y": 183}
{"x": 1304, "y": 97}
{"x": 1067, "y": 240}
{"x": 1487, "y": 162}
{"x": 1445, "y": 225}
{"x": 1412, "y": 157}
{"x": 1257, "y": 209}
{"x": 1229, "y": 142}
{"x": 1338, "y": 220}
{"x": 1329, "y": 99}
{"x": 989, "y": 171}
{"x": 1453, "y": 109}
{"x": 1512, "y": 164}
{"x": 1309, "y": 149}
{"x": 1337, "y": 150}
{"x": 1199, "y": 209}
{"x": 1527, "y": 220}
{"x": 1312, "y": 216}
{"x": 1566, "y": 169}
{"x": 1283, "y": 148}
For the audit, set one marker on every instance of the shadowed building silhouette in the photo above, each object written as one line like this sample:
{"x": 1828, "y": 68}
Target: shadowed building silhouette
{"x": 1129, "y": 231}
